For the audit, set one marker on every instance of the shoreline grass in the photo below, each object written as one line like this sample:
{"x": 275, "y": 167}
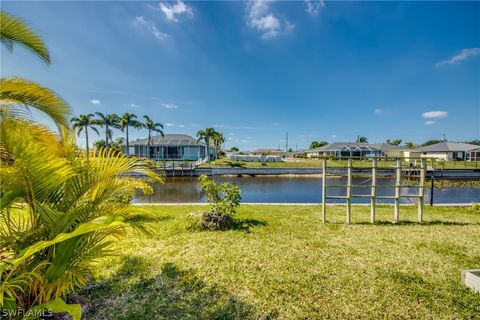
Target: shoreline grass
{"x": 314, "y": 163}
{"x": 281, "y": 262}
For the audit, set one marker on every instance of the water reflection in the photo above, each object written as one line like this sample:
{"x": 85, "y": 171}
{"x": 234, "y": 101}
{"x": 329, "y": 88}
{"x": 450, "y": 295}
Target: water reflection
{"x": 294, "y": 189}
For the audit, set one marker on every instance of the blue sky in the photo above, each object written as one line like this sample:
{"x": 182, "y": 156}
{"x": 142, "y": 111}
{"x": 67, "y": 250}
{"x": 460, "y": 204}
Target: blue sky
{"x": 255, "y": 70}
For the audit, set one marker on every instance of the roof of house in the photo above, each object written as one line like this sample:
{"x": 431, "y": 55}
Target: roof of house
{"x": 267, "y": 151}
{"x": 448, "y": 146}
{"x": 355, "y": 145}
{"x": 170, "y": 140}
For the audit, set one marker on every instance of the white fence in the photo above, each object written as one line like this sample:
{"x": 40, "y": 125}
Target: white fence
{"x": 255, "y": 158}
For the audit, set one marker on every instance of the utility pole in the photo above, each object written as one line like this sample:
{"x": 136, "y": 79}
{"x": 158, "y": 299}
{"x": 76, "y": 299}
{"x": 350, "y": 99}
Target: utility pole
{"x": 286, "y": 144}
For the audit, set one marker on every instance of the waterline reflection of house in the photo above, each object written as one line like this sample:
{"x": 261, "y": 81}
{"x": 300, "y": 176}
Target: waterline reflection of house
{"x": 178, "y": 147}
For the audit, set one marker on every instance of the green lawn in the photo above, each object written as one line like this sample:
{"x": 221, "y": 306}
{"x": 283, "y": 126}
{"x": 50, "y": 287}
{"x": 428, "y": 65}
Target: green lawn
{"x": 281, "y": 262}
{"x": 298, "y": 162}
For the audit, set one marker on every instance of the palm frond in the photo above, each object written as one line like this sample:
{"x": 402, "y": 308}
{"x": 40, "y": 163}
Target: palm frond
{"x": 17, "y": 92}
{"x": 15, "y": 30}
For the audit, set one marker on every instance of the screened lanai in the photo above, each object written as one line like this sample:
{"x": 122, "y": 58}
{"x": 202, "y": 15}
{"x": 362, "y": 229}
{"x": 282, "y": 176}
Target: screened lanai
{"x": 170, "y": 147}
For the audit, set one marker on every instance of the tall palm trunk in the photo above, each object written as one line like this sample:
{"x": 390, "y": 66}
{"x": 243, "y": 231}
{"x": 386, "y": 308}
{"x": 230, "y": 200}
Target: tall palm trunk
{"x": 106, "y": 138}
{"x": 86, "y": 140}
{"x": 128, "y": 150}
{"x": 148, "y": 143}
{"x": 207, "y": 141}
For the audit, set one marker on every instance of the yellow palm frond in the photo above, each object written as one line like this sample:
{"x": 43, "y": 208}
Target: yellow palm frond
{"x": 14, "y": 30}
{"x": 17, "y": 92}
{"x": 36, "y": 173}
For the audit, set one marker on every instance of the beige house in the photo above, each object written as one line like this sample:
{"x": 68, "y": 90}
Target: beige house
{"x": 449, "y": 151}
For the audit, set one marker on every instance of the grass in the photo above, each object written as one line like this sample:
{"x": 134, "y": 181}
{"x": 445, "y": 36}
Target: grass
{"x": 312, "y": 163}
{"x": 281, "y": 262}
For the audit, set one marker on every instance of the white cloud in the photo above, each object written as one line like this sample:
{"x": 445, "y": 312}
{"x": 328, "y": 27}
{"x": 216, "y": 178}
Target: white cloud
{"x": 334, "y": 135}
{"x": 434, "y": 114}
{"x": 133, "y": 105}
{"x": 141, "y": 22}
{"x": 378, "y": 111}
{"x": 461, "y": 56}
{"x": 429, "y": 122}
{"x": 181, "y": 126}
{"x": 95, "y": 101}
{"x": 313, "y": 7}
{"x": 173, "y": 11}
{"x": 170, "y": 105}
{"x": 170, "y": 124}
{"x": 260, "y": 17}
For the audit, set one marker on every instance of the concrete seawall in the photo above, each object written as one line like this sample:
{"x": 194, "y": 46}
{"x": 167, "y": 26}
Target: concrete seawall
{"x": 223, "y": 171}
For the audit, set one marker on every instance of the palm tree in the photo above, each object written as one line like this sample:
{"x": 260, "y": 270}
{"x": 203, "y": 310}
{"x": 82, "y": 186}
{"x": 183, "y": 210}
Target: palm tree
{"x": 84, "y": 121}
{"x": 409, "y": 145}
{"x": 394, "y": 142}
{"x": 129, "y": 120}
{"x": 206, "y": 135}
{"x": 151, "y": 127}
{"x": 67, "y": 218}
{"x": 361, "y": 139}
{"x": 218, "y": 140}
{"x": 109, "y": 121}
{"x": 18, "y": 94}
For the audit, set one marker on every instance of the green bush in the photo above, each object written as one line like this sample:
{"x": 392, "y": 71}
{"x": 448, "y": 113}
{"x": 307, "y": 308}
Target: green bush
{"x": 224, "y": 199}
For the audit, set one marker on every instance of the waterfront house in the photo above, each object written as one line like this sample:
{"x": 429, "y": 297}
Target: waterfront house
{"x": 450, "y": 151}
{"x": 177, "y": 147}
{"x": 356, "y": 149}
{"x": 474, "y": 154}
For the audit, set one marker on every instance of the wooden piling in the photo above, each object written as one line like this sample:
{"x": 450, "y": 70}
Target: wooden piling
{"x": 398, "y": 174}
{"x": 373, "y": 199}
{"x": 421, "y": 189}
{"x": 324, "y": 190}
{"x": 349, "y": 189}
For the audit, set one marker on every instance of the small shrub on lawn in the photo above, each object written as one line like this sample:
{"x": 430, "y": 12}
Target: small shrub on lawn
{"x": 224, "y": 199}
{"x": 475, "y": 207}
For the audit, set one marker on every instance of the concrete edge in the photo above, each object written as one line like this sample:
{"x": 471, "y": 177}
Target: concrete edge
{"x": 471, "y": 279}
{"x": 294, "y": 204}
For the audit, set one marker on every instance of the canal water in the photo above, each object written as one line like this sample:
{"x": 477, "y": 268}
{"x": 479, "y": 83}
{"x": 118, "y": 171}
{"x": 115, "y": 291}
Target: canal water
{"x": 296, "y": 189}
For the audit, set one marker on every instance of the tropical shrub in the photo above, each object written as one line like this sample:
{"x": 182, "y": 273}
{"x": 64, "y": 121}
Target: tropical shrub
{"x": 59, "y": 213}
{"x": 224, "y": 199}
{"x": 475, "y": 207}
